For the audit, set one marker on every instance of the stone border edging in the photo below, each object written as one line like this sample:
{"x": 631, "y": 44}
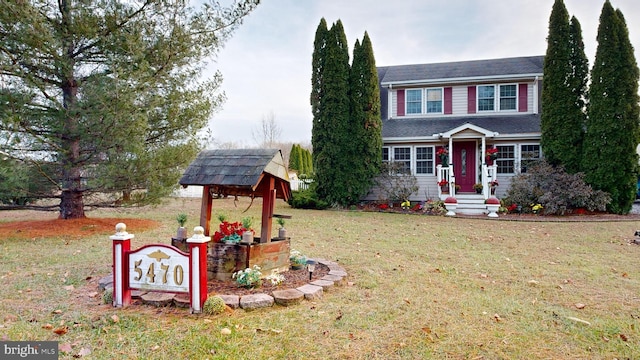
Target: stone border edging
{"x": 286, "y": 297}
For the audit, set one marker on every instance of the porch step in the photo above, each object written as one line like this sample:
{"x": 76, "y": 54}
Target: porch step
{"x": 470, "y": 204}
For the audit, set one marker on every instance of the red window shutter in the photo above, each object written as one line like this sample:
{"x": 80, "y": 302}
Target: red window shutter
{"x": 448, "y": 107}
{"x": 522, "y": 97}
{"x": 400, "y": 102}
{"x": 471, "y": 100}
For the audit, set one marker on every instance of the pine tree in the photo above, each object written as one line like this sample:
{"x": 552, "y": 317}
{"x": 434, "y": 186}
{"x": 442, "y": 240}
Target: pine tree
{"x": 366, "y": 123}
{"x": 610, "y": 161}
{"x": 563, "y": 91}
{"x": 104, "y": 98}
{"x": 294, "y": 158}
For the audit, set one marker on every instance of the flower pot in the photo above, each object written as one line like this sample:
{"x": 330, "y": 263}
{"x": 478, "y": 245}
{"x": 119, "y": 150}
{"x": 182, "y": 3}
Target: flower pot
{"x": 451, "y": 207}
{"x": 181, "y": 233}
{"x": 282, "y": 233}
{"x": 493, "y": 210}
{"x": 478, "y": 191}
{"x": 247, "y": 237}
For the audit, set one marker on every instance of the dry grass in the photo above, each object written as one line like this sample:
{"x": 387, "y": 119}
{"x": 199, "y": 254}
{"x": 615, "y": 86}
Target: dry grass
{"x": 423, "y": 287}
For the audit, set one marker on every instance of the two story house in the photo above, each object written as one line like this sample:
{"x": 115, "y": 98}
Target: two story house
{"x": 465, "y": 109}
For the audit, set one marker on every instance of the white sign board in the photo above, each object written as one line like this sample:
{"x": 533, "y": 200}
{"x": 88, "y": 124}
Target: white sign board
{"x": 159, "y": 268}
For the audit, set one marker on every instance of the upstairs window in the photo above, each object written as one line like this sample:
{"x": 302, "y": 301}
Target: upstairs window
{"x": 508, "y": 95}
{"x": 434, "y": 101}
{"x": 486, "y": 97}
{"x": 414, "y": 101}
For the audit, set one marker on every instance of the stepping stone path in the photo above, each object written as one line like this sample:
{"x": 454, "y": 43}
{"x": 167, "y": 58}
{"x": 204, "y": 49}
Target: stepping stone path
{"x": 287, "y": 297}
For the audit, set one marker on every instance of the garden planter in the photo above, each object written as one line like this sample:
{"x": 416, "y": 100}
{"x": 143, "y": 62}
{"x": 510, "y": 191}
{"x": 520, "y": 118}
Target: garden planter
{"x": 493, "y": 209}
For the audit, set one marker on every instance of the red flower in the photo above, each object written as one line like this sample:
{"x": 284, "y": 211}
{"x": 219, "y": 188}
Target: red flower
{"x": 442, "y": 151}
{"x": 383, "y": 206}
{"x": 492, "y": 151}
{"x": 442, "y": 182}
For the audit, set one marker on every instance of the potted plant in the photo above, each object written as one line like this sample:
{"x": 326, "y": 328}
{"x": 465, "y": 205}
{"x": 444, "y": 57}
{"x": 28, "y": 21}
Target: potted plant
{"x": 493, "y": 205}
{"x": 282, "y": 232}
{"x": 247, "y": 235}
{"x": 492, "y": 153}
{"x": 478, "y": 188}
{"x": 450, "y": 203}
{"x": 297, "y": 260}
{"x": 456, "y": 188}
{"x": 493, "y": 184}
{"x": 182, "y": 231}
{"x": 444, "y": 188}
{"x": 443, "y": 154}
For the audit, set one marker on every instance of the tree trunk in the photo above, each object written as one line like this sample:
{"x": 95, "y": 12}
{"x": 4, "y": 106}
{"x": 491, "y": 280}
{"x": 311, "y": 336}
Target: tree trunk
{"x": 72, "y": 202}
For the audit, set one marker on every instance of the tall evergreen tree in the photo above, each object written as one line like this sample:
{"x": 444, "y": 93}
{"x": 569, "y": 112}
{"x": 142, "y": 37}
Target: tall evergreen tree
{"x": 366, "y": 123}
{"x": 103, "y": 98}
{"x": 563, "y": 91}
{"x": 319, "y": 57}
{"x": 330, "y": 164}
{"x": 610, "y": 161}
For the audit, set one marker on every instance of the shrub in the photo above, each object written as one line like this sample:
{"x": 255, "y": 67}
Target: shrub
{"x": 393, "y": 184}
{"x": 107, "y": 296}
{"x": 214, "y": 305}
{"x": 557, "y": 191}
{"x": 307, "y": 199}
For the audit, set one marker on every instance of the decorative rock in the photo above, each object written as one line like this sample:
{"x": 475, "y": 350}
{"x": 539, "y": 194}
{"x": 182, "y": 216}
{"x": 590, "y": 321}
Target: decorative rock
{"x": 137, "y": 294}
{"x": 158, "y": 298}
{"x": 103, "y": 282}
{"x": 325, "y": 284}
{"x": 338, "y": 273}
{"x": 311, "y": 292}
{"x": 338, "y": 280}
{"x": 255, "y": 301}
{"x": 232, "y": 301}
{"x": 287, "y": 297}
{"x": 182, "y": 300}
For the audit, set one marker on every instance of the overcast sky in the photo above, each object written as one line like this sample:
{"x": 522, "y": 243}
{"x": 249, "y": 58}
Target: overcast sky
{"x": 267, "y": 64}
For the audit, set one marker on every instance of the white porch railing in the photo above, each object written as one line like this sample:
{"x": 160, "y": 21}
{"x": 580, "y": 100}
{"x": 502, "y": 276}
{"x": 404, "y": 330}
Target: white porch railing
{"x": 489, "y": 173}
{"x": 446, "y": 173}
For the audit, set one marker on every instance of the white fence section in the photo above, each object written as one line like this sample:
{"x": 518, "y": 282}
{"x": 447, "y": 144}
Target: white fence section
{"x": 300, "y": 184}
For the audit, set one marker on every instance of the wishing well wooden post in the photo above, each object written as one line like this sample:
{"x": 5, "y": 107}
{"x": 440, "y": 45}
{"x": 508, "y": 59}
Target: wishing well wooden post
{"x": 121, "y": 246}
{"x": 268, "y": 203}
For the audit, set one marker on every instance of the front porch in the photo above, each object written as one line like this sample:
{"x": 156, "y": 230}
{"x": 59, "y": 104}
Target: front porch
{"x": 469, "y": 203}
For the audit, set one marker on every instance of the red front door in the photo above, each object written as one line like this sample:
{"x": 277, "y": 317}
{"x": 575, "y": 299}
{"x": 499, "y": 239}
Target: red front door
{"x": 464, "y": 164}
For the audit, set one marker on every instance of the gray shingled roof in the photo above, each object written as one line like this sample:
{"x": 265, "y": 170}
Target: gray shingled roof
{"x": 411, "y": 128}
{"x": 462, "y": 69}
{"x": 238, "y": 171}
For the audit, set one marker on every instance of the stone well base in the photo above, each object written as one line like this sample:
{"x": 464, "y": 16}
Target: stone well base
{"x": 225, "y": 259}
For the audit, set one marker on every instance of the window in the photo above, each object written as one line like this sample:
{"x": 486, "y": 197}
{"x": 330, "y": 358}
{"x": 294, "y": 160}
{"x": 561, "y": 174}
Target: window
{"x": 506, "y": 159}
{"x": 424, "y": 160}
{"x": 486, "y": 98}
{"x": 508, "y": 95}
{"x": 403, "y": 155}
{"x": 528, "y": 155}
{"x": 414, "y": 101}
{"x": 385, "y": 154}
{"x": 434, "y": 101}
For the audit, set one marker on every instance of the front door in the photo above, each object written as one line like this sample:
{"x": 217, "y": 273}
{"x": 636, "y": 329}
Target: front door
{"x": 464, "y": 164}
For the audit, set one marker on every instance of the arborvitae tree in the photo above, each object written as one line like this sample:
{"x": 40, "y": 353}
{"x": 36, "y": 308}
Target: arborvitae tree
{"x": 104, "y": 98}
{"x": 610, "y": 161}
{"x": 319, "y": 128}
{"x": 332, "y": 122}
{"x": 366, "y": 124}
{"x": 308, "y": 162}
{"x": 563, "y": 91}
{"x": 294, "y": 158}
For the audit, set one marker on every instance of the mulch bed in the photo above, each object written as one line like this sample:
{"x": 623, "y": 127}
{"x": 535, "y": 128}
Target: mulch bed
{"x": 293, "y": 279}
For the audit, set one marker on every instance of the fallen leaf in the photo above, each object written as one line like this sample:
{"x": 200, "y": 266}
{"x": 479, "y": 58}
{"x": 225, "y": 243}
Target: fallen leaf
{"x": 625, "y": 275}
{"x": 92, "y": 294}
{"x": 225, "y": 331}
{"x": 207, "y": 321}
{"x": 57, "y": 312}
{"x": 426, "y": 329}
{"x": 532, "y": 282}
{"x": 61, "y": 330}
{"x": 623, "y": 337}
{"x": 407, "y": 301}
{"x": 47, "y": 326}
{"x": 115, "y": 318}
{"x": 69, "y": 287}
{"x": 66, "y": 348}
{"x": 339, "y": 316}
{"x": 82, "y": 352}
{"x": 579, "y": 306}
{"x": 155, "y": 347}
{"x": 497, "y": 317}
